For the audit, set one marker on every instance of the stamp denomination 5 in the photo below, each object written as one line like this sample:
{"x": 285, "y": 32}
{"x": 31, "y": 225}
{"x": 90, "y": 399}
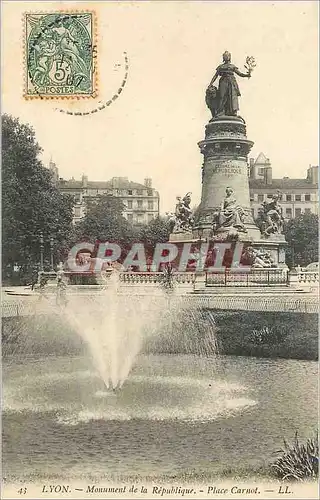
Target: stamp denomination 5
{"x": 60, "y": 55}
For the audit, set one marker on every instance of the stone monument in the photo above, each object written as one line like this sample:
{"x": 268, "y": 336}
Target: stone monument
{"x": 224, "y": 213}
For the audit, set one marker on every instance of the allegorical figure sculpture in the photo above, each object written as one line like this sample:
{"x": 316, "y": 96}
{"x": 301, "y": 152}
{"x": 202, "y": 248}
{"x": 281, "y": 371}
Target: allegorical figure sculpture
{"x": 259, "y": 259}
{"x": 182, "y": 220}
{"x": 224, "y": 100}
{"x": 212, "y": 100}
{"x": 231, "y": 214}
{"x": 271, "y": 215}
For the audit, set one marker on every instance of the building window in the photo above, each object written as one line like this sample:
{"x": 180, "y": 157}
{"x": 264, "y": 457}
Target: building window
{"x": 139, "y": 202}
{"x": 307, "y": 197}
{"x": 298, "y": 212}
{"x": 252, "y": 212}
{"x": 139, "y": 192}
{"x": 298, "y": 197}
{"x": 150, "y": 205}
{"x": 288, "y": 197}
{"x": 288, "y": 212}
{"x": 150, "y": 217}
{"x": 139, "y": 218}
{"x": 150, "y": 192}
{"x": 77, "y": 198}
{"x": 130, "y": 217}
{"x": 307, "y": 210}
{"x": 261, "y": 171}
{"x": 260, "y": 197}
{"x": 130, "y": 192}
{"x": 129, "y": 204}
{"x": 77, "y": 212}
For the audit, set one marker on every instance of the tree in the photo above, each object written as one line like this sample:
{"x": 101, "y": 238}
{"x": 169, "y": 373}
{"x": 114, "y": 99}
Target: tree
{"x": 301, "y": 234}
{"x": 157, "y": 231}
{"x": 31, "y": 202}
{"x": 104, "y": 221}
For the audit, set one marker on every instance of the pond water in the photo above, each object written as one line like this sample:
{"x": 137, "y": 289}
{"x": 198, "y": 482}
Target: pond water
{"x": 174, "y": 414}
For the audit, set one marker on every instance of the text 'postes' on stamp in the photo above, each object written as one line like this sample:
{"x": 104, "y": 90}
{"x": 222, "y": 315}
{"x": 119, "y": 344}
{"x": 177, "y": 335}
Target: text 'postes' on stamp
{"x": 60, "y": 55}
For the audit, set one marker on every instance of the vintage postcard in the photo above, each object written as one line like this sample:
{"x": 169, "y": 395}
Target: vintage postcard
{"x": 160, "y": 268}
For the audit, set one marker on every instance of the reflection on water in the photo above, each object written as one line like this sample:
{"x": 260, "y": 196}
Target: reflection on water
{"x": 174, "y": 413}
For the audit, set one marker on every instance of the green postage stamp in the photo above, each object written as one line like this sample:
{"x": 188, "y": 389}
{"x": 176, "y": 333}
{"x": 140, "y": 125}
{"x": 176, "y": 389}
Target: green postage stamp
{"x": 60, "y": 55}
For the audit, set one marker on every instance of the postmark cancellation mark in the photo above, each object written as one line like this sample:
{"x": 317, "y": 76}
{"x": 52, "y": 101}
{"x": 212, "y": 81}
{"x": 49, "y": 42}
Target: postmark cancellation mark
{"x": 60, "y": 54}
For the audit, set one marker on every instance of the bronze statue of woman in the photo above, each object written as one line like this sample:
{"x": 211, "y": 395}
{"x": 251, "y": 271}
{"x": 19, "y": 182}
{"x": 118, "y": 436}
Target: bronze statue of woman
{"x": 228, "y": 102}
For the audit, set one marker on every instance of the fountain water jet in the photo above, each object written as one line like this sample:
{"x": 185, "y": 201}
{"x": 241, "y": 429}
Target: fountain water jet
{"x": 114, "y": 327}
{"x": 116, "y": 323}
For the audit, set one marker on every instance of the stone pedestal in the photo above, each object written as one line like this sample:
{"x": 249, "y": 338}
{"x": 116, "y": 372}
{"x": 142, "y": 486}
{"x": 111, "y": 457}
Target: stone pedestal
{"x": 225, "y": 150}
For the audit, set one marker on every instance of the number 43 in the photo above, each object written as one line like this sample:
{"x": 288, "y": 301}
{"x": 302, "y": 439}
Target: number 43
{"x": 22, "y": 491}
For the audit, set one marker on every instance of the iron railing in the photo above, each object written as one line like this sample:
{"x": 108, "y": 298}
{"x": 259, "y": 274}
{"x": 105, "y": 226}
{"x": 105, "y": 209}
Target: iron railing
{"x": 276, "y": 303}
{"x": 253, "y": 277}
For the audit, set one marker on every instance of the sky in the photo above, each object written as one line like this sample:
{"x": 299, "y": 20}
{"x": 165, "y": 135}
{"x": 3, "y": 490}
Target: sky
{"x": 173, "y": 50}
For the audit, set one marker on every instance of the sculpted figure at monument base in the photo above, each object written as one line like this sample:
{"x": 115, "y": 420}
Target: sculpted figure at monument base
{"x": 260, "y": 259}
{"x": 182, "y": 220}
{"x": 271, "y": 216}
{"x": 230, "y": 215}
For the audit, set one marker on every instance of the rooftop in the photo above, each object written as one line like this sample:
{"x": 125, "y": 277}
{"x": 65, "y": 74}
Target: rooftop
{"x": 115, "y": 183}
{"x": 262, "y": 159}
{"x": 285, "y": 183}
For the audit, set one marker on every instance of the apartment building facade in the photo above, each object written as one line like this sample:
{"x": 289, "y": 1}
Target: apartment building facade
{"x": 297, "y": 196}
{"x": 141, "y": 201}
